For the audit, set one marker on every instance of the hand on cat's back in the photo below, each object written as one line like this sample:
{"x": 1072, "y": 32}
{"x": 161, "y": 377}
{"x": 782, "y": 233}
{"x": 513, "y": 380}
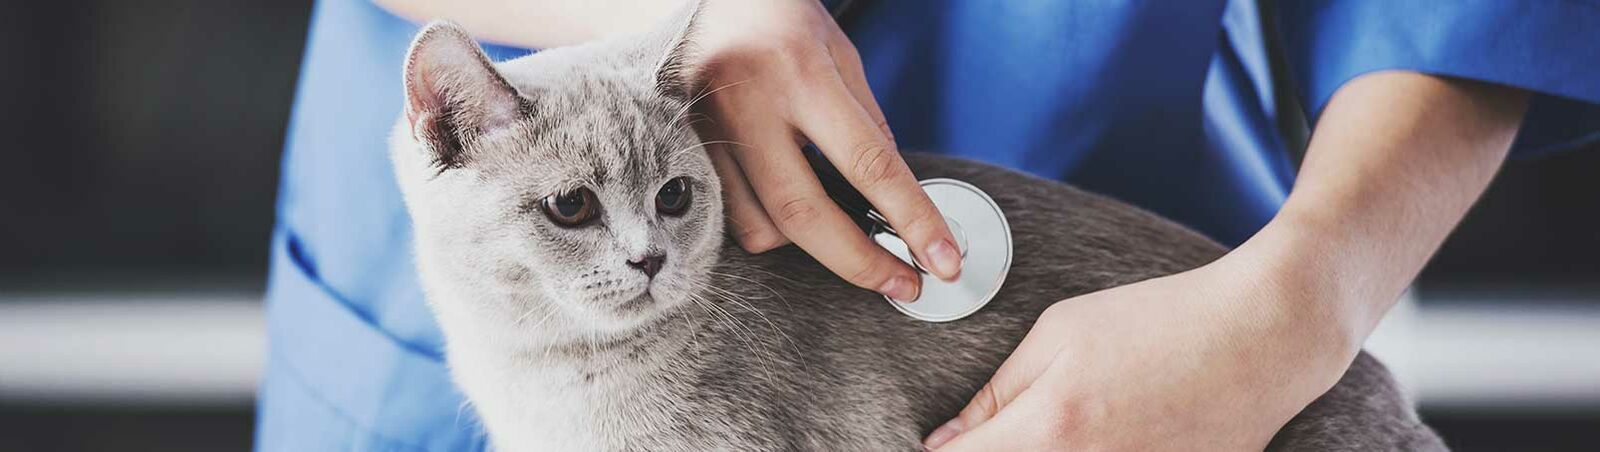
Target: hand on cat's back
{"x": 774, "y": 75}
{"x": 1189, "y": 361}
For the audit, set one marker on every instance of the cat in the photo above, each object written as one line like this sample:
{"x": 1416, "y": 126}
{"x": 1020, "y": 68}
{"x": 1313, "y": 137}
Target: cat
{"x": 569, "y": 236}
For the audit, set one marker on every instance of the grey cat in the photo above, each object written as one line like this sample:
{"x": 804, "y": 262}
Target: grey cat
{"x": 569, "y": 236}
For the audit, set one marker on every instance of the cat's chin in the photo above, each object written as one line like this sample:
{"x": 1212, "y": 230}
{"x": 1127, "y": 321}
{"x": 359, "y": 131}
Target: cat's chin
{"x": 622, "y": 317}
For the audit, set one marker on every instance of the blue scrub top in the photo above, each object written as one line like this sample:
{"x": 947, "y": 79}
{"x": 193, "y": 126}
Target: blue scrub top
{"x": 1168, "y": 105}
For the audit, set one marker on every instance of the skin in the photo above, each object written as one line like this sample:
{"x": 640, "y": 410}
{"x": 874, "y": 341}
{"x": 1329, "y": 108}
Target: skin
{"x": 1395, "y": 161}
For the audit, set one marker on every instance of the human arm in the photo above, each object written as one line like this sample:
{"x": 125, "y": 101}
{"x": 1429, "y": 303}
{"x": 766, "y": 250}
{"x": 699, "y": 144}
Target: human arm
{"x": 776, "y": 74}
{"x": 1222, "y": 356}
{"x": 538, "y": 23}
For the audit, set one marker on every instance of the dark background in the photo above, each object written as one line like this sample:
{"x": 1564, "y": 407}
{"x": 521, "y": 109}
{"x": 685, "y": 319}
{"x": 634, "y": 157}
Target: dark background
{"x": 141, "y": 147}
{"x": 143, "y": 136}
{"x": 142, "y": 143}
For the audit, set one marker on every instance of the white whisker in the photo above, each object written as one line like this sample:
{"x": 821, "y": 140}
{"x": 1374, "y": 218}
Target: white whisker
{"x": 774, "y": 275}
{"x": 756, "y": 283}
{"x": 739, "y": 330}
{"x": 734, "y": 299}
{"x": 531, "y": 310}
{"x": 703, "y": 95}
{"x": 674, "y": 155}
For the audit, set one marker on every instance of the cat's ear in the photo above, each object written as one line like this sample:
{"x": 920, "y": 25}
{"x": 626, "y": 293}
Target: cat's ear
{"x": 454, "y": 94}
{"x": 675, "y": 75}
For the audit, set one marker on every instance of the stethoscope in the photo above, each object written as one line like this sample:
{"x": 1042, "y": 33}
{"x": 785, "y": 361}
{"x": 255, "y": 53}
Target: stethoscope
{"x": 976, "y": 222}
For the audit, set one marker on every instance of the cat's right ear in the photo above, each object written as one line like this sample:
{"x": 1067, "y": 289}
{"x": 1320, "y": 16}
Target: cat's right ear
{"x": 675, "y": 77}
{"x": 453, "y": 93}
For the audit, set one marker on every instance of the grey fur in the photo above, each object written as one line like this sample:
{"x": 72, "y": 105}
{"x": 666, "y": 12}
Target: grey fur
{"x": 560, "y": 346}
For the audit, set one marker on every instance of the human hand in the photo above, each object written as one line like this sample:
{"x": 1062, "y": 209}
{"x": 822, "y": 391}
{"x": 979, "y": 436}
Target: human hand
{"x": 1210, "y": 359}
{"x": 780, "y": 73}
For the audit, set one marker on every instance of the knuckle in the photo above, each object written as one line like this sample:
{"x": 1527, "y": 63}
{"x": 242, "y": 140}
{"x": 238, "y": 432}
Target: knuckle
{"x": 874, "y": 164}
{"x": 925, "y": 218}
{"x": 798, "y": 212}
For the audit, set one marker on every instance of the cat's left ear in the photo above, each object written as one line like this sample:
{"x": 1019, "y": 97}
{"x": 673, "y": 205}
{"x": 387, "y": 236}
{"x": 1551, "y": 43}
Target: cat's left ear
{"x": 675, "y": 75}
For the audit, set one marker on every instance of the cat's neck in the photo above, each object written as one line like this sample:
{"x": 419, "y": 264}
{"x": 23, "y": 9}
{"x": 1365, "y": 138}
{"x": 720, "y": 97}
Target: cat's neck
{"x": 571, "y": 394}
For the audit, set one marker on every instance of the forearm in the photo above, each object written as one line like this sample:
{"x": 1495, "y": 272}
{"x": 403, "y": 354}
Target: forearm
{"x": 1394, "y": 164}
{"x": 538, "y": 23}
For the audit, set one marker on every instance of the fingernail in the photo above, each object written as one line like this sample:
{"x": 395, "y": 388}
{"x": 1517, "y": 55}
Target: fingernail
{"x": 946, "y": 260}
{"x": 899, "y": 288}
{"x": 943, "y": 434}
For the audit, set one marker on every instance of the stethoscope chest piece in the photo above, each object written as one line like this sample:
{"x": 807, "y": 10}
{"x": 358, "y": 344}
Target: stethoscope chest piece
{"x": 984, "y": 238}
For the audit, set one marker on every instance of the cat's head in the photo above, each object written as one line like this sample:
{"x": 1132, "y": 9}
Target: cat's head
{"x": 569, "y": 175}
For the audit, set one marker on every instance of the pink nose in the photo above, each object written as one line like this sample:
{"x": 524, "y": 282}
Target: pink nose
{"x": 650, "y": 264}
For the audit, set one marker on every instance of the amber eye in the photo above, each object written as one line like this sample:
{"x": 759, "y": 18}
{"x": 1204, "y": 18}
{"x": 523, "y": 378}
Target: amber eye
{"x": 571, "y": 209}
{"x": 674, "y": 197}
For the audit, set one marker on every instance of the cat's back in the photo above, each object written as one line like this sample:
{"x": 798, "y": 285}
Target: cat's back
{"x": 823, "y": 365}
{"x": 813, "y": 344}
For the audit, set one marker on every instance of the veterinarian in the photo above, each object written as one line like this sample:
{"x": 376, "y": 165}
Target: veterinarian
{"x": 1198, "y": 110}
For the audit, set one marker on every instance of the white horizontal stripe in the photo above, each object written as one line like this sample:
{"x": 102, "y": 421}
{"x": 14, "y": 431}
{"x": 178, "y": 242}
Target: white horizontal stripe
{"x": 188, "y": 349}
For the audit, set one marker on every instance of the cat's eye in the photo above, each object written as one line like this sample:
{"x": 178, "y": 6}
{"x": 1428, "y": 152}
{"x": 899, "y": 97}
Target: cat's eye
{"x": 571, "y": 209}
{"x": 674, "y": 197}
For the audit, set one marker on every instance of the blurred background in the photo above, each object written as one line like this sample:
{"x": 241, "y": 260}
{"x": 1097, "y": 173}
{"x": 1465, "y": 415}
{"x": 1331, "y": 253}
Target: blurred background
{"x": 136, "y": 200}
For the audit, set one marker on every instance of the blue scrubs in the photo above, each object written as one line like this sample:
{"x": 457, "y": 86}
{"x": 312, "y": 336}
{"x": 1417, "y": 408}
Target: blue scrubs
{"x": 1168, "y": 105}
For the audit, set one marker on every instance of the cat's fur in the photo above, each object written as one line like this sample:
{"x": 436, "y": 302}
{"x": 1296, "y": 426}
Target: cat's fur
{"x": 560, "y": 345}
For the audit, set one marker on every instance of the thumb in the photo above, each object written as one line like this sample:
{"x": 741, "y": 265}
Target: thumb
{"x": 982, "y": 407}
{"x": 1025, "y": 364}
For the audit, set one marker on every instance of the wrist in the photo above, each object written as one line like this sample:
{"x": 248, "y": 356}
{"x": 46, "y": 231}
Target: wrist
{"x": 1308, "y": 298}
{"x": 1288, "y": 327}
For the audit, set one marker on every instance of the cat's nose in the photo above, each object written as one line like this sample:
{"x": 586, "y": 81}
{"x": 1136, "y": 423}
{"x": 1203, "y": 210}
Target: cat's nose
{"x": 649, "y": 264}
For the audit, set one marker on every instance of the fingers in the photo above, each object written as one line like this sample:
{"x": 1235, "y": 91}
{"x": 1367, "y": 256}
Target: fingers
{"x": 751, "y": 226}
{"x": 1013, "y": 377}
{"x": 1027, "y": 423}
{"x": 850, "y": 138}
{"x": 778, "y": 190}
{"x": 1017, "y": 374}
{"x": 798, "y": 206}
{"x": 1024, "y": 420}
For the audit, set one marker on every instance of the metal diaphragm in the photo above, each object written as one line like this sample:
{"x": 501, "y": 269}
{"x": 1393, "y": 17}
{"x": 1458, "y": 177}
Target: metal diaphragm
{"x": 984, "y": 239}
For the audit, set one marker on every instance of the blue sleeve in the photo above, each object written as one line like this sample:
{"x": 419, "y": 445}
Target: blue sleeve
{"x": 1549, "y": 47}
